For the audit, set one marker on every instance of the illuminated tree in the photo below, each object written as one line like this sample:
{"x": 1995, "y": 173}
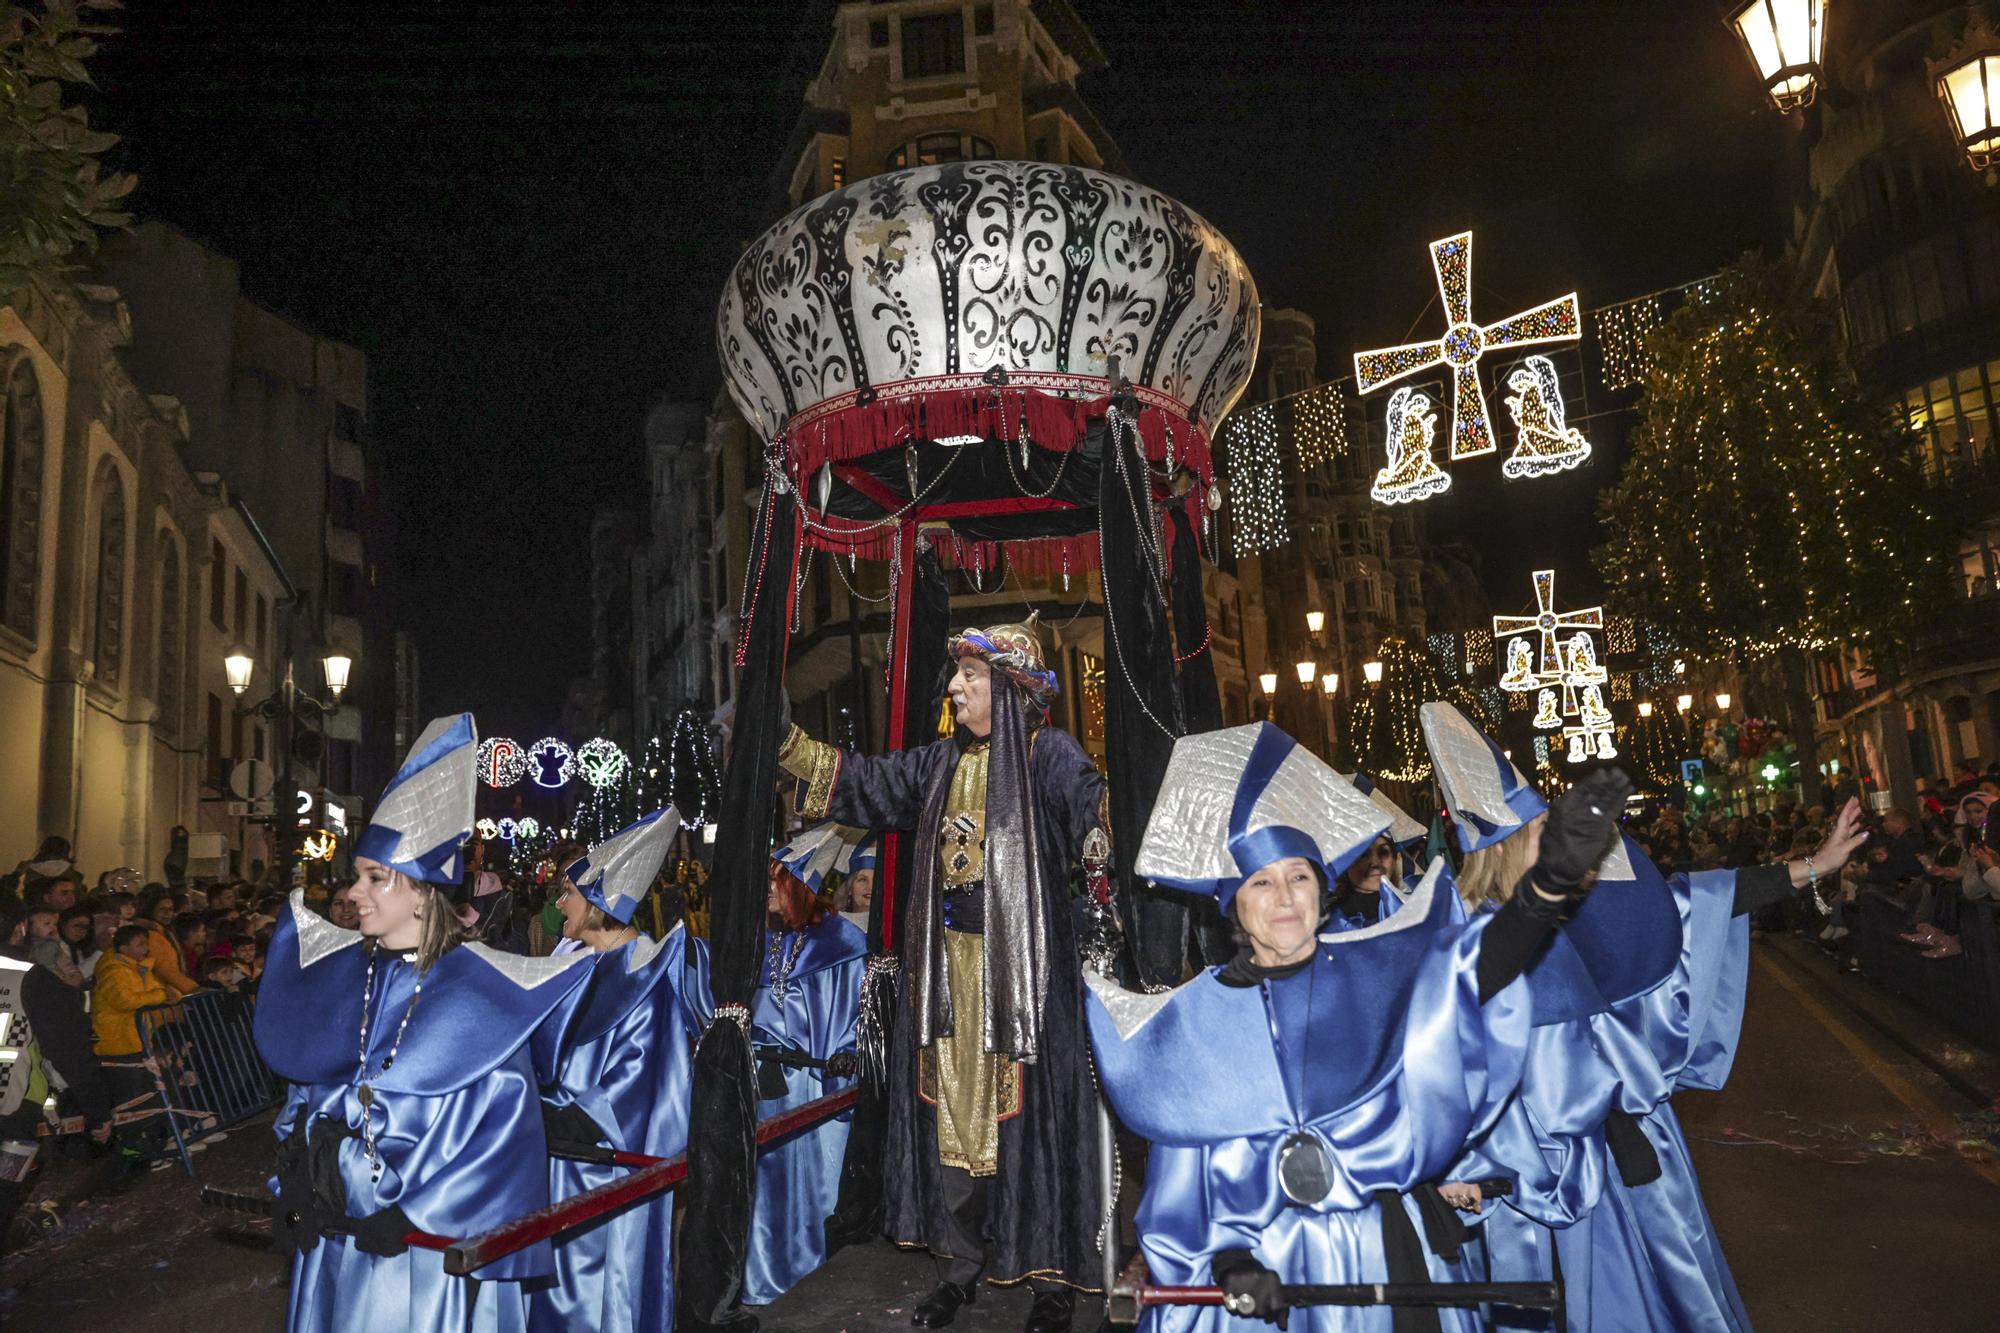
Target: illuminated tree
{"x": 1771, "y": 502}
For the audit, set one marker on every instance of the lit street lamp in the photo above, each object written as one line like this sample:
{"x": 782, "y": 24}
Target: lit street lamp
{"x": 1968, "y": 83}
{"x": 1329, "y": 683}
{"x": 1683, "y": 703}
{"x": 1307, "y": 672}
{"x": 1784, "y": 38}
{"x": 286, "y": 709}
{"x": 1269, "y": 680}
{"x": 1645, "y": 708}
{"x": 1722, "y": 702}
{"x": 1372, "y": 672}
{"x": 1315, "y": 621}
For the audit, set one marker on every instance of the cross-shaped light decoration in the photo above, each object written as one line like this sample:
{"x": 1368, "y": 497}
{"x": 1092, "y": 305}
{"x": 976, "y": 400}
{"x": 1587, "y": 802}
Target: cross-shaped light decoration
{"x": 1549, "y": 621}
{"x": 1568, "y": 658}
{"x": 1462, "y": 345}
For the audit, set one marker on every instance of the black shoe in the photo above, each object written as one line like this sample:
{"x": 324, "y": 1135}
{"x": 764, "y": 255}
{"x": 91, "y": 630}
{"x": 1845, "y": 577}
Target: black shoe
{"x": 1051, "y": 1312}
{"x": 941, "y": 1306}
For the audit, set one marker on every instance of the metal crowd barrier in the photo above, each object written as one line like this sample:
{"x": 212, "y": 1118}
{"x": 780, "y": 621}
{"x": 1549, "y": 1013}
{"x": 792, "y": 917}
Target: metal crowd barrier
{"x": 205, "y": 1067}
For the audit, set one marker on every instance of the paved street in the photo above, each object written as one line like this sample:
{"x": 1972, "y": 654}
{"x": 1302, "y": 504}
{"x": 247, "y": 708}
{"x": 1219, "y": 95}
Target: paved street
{"x": 1831, "y": 1164}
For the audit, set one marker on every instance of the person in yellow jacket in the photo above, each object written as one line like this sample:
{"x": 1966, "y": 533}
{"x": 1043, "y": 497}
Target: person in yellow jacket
{"x": 124, "y": 985}
{"x": 156, "y": 913}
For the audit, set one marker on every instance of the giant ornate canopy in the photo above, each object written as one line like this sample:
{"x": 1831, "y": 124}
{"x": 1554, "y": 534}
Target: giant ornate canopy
{"x": 979, "y": 298}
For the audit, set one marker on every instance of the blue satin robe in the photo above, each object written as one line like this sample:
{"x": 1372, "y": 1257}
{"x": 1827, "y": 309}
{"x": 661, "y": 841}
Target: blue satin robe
{"x": 630, "y": 1068}
{"x": 1630, "y": 1006}
{"x": 457, "y": 1117}
{"x": 1380, "y": 1048}
{"x": 798, "y": 1181}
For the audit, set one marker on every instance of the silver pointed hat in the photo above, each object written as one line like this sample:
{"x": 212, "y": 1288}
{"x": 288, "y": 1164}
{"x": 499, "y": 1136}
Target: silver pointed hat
{"x": 1235, "y": 800}
{"x": 615, "y": 875}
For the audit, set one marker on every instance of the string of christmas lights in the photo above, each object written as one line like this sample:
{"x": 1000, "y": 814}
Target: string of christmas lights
{"x": 1621, "y": 332}
{"x": 1319, "y": 424}
{"x": 1256, "y": 481}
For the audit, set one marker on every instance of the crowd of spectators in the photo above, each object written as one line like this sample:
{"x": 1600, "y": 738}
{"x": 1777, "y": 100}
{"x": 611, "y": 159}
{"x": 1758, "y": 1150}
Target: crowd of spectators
{"x": 1930, "y": 862}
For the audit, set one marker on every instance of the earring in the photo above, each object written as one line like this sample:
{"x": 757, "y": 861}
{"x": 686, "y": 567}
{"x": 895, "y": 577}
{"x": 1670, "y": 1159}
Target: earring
{"x": 417, "y": 913}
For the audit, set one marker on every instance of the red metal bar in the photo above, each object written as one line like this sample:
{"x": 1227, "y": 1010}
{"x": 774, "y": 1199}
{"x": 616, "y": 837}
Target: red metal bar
{"x": 467, "y": 1256}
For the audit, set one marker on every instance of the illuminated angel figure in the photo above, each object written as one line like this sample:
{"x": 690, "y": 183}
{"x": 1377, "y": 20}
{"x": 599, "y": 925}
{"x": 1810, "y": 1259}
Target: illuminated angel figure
{"x": 1546, "y": 716}
{"x": 1593, "y": 713}
{"x": 1412, "y": 473}
{"x": 1580, "y": 665}
{"x": 1548, "y": 443}
{"x": 1605, "y": 749}
{"x": 1577, "y": 754}
{"x": 1520, "y": 667}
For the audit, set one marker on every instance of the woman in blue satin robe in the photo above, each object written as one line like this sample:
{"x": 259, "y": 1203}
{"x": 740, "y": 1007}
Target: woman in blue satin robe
{"x": 1640, "y": 996}
{"x": 625, "y": 1084}
{"x": 414, "y": 1103}
{"x": 1296, "y": 1097}
{"x": 808, "y": 1004}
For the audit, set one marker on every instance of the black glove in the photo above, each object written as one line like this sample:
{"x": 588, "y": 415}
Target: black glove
{"x": 1582, "y": 823}
{"x": 843, "y": 1064}
{"x": 1252, "y": 1290}
{"x": 295, "y": 1225}
{"x": 382, "y": 1232}
{"x": 570, "y": 1124}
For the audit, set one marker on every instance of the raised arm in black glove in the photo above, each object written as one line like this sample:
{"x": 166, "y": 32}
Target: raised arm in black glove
{"x": 1252, "y": 1291}
{"x": 1582, "y": 823}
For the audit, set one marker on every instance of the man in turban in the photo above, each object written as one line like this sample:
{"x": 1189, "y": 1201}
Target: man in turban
{"x": 992, "y": 1142}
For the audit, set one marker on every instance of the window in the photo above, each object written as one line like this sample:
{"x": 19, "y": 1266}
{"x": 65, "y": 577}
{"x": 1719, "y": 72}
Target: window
{"x": 257, "y": 743}
{"x": 1952, "y": 418}
{"x": 933, "y": 45}
{"x": 343, "y": 503}
{"x": 930, "y": 149}
{"x": 982, "y": 21}
{"x": 837, "y": 173}
{"x": 242, "y": 608}
{"x": 340, "y": 766}
{"x": 22, "y": 444}
{"x": 263, "y": 625}
{"x": 212, "y": 741}
{"x": 344, "y": 594}
{"x": 167, "y": 660}
{"x": 878, "y": 34}
{"x": 218, "y": 586}
{"x": 107, "y": 638}
{"x": 347, "y": 422}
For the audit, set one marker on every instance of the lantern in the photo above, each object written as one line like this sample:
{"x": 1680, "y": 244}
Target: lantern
{"x": 1968, "y": 83}
{"x": 1784, "y": 39}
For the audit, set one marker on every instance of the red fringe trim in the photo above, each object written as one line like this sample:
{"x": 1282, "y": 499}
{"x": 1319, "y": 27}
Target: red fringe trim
{"x": 1054, "y": 420}
{"x": 1032, "y": 557}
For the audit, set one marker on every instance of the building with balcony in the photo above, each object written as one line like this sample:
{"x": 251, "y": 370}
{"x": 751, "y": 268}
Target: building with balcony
{"x": 1893, "y": 226}
{"x": 279, "y": 414}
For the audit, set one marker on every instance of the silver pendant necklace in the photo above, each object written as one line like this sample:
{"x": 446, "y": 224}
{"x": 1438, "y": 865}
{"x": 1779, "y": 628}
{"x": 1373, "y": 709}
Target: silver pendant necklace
{"x": 366, "y": 1094}
{"x": 781, "y": 972}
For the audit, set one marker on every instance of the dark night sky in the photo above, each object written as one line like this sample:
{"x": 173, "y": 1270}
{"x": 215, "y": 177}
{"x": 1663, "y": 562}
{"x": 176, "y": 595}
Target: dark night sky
{"x": 523, "y": 211}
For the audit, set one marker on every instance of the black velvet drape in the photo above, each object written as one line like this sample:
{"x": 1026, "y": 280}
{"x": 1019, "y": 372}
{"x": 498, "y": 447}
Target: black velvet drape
{"x": 1201, "y": 703}
{"x": 858, "y": 1216}
{"x": 722, "y": 1149}
{"x": 1201, "y": 697}
{"x": 1142, "y": 703}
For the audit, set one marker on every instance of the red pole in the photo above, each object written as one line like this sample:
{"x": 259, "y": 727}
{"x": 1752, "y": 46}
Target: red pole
{"x": 469, "y": 1255}
{"x": 899, "y": 706}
